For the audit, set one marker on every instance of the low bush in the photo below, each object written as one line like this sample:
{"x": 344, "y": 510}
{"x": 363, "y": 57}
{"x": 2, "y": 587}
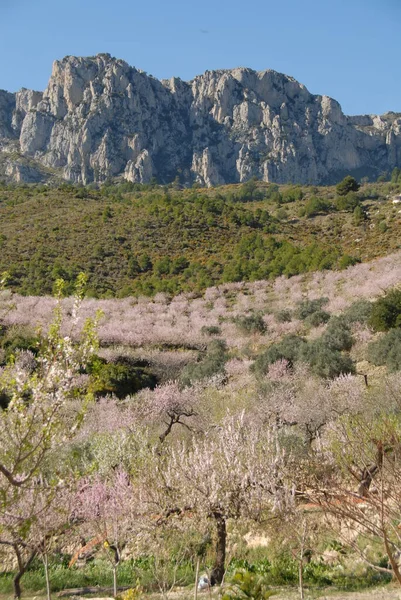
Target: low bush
{"x": 314, "y": 206}
{"x": 16, "y": 338}
{"x": 326, "y": 361}
{"x": 288, "y": 348}
{"x": 324, "y": 355}
{"x": 121, "y": 378}
{"x": 245, "y": 584}
{"x": 348, "y": 202}
{"x": 317, "y": 318}
{"x": 337, "y": 335}
{"x": 211, "y": 330}
{"x": 359, "y": 312}
{"x": 284, "y": 316}
{"x": 386, "y": 351}
{"x": 249, "y": 324}
{"x": 212, "y": 363}
{"x": 308, "y": 307}
{"x": 386, "y": 312}
{"x": 347, "y": 261}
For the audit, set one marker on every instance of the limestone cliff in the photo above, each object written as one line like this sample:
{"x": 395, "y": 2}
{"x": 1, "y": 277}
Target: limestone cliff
{"x": 100, "y": 118}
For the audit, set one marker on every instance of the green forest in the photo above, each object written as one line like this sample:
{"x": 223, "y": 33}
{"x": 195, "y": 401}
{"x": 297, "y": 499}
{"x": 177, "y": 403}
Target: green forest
{"x": 134, "y": 239}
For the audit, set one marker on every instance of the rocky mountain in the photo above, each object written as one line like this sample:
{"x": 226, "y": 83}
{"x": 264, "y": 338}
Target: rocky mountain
{"x": 100, "y": 118}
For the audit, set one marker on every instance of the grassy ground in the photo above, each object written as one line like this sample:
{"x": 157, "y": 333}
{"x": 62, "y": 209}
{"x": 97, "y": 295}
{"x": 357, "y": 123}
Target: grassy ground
{"x": 388, "y": 593}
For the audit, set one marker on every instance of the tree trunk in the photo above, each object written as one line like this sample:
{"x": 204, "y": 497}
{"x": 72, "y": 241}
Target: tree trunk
{"x": 46, "y": 565}
{"x": 393, "y": 562}
{"x": 196, "y": 580}
{"x": 17, "y": 585}
{"x": 366, "y": 480}
{"x": 218, "y": 570}
{"x": 115, "y": 581}
{"x": 301, "y": 578}
{"x": 21, "y": 570}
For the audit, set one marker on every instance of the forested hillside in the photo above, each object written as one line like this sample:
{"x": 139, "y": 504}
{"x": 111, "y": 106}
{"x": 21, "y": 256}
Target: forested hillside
{"x": 143, "y": 239}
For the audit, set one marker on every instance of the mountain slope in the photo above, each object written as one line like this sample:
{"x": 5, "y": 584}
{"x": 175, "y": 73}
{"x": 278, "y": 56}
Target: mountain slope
{"x": 161, "y": 239}
{"x": 100, "y": 118}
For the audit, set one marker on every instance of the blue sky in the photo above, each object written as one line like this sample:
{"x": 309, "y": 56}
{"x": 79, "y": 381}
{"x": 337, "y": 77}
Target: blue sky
{"x": 347, "y": 49}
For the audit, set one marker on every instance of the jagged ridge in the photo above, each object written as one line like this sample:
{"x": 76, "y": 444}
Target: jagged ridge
{"x": 100, "y": 118}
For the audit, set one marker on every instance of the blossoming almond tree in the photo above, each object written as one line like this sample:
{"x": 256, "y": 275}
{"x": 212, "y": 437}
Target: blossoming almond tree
{"x": 361, "y": 491}
{"x": 105, "y": 509}
{"x": 38, "y": 516}
{"x": 234, "y": 470}
{"x": 171, "y": 405}
{"x": 37, "y": 417}
{"x": 38, "y": 420}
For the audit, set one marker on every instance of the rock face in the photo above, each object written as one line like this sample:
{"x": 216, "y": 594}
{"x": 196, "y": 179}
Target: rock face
{"x": 100, "y": 118}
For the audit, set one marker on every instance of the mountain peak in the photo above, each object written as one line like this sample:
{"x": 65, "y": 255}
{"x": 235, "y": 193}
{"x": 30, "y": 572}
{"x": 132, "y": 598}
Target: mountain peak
{"x": 100, "y": 118}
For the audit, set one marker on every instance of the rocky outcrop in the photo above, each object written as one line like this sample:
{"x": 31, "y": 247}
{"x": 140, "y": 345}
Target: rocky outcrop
{"x": 99, "y": 118}
{"x": 7, "y": 106}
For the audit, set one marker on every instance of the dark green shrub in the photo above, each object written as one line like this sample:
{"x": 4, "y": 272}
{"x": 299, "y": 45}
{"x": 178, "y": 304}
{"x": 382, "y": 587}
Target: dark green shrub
{"x": 359, "y": 215}
{"x": 348, "y": 184}
{"x": 121, "y": 378}
{"x": 4, "y": 398}
{"x": 314, "y": 206}
{"x": 281, "y": 214}
{"x": 284, "y": 316}
{"x": 19, "y": 338}
{"x": 317, "y": 318}
{"x": 337, "y": 335}
{"x": 283, "y": 571}
{"x": 348, "y": 202}
{"x": 387, "y": 350}
{"x": 211, "y": 330}
{"x": 396, "y": 175}
{"x": 288, "y": 348}
{"x": 292, "y": 194}
{"x": 211, "y": 364}
{"x": 249, "y": 324}
{"x": 308, "y": 307}
{"x": 386, "y": 312}
{"x": 324, "y": 361}
{"x": 322, "y": 355}
{"x": 359, "y": 312}
{"x": 347, "y": 261}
